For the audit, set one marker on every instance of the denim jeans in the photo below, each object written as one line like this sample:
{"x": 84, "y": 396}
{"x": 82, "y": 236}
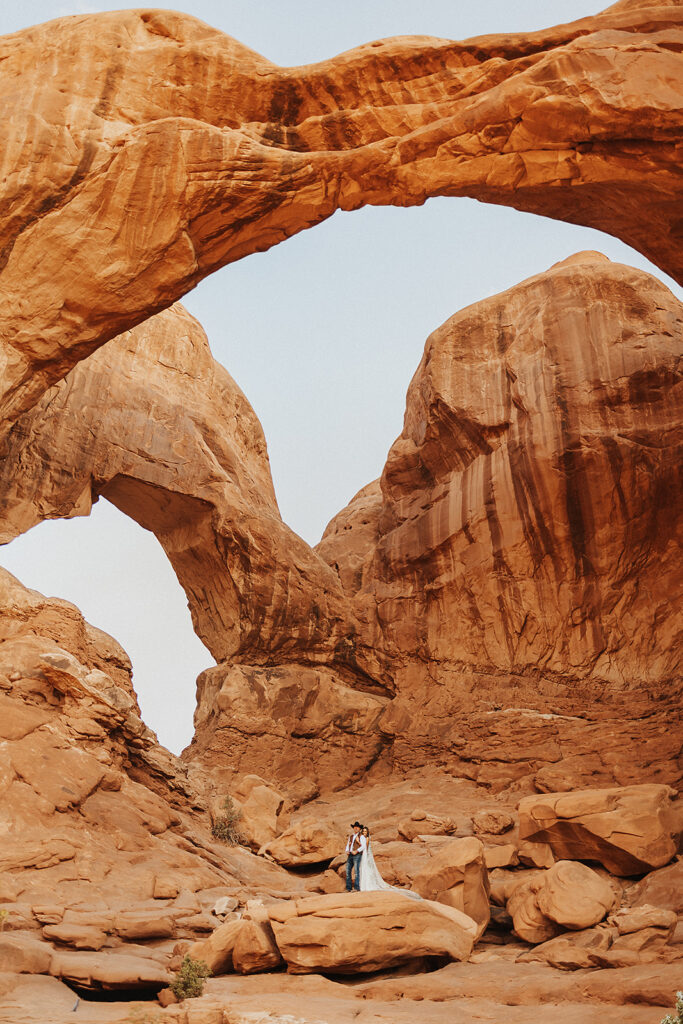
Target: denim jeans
{"x": 353, "y": 861}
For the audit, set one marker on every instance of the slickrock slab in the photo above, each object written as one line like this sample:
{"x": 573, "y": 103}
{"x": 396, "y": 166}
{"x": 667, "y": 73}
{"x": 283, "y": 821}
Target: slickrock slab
{"x": 630, "y": 831}
{"x": 571, "y": 951}
{"x": 145, "y": 924}
{"x": 306, "y": 842}
{"x": 362, "y": 932}
{"x": 457, "y": 876}
{"x": 76, "y": 935}
{"x": 633, "y": 919}
{"x": 108, "y": 971}
{"x": 24, "y": 953}
{"x": 36, "y": 1000}
{"x": 580, "y": 122}
{"x": 652, "y": 985}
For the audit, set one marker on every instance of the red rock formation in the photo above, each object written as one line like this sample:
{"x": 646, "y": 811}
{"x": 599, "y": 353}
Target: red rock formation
{"x": 143, "y": 150}
{"x": 517, "y": 561}
{"x": 630, "y": 830}
{"x": 516, "y": 558}
{"x": 103, "y": 840}
{"x": 152, "y": 423}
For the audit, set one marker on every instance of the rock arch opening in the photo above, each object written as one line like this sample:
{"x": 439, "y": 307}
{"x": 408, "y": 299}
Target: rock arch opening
{"x": 122, "y": 582}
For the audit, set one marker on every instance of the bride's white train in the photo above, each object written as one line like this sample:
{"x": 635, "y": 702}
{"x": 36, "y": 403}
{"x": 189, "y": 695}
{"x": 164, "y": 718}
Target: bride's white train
{"x": 371, "y": 880}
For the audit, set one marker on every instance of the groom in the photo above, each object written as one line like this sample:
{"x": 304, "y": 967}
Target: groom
{"x": 355, "y": 848}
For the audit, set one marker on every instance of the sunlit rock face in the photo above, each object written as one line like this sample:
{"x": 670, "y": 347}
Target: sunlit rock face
{"x": 143, "y": 149}
{"x": 520, "y": 547}
{"x": 85, "y": 788}
{"x": 493, "y": 603}
{"x": 154, "y": 424}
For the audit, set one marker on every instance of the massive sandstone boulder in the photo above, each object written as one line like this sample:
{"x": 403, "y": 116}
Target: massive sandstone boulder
{"x": 568, "y": 896}
{"x": 367, "y": 931}
{"x": 456, "y": 875}
{"x": 143, "y": 150}
{"x": 630, "y": 831}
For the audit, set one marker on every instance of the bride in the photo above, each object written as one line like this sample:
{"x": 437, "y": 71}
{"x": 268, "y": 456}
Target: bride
{"x": 370, "y": 878}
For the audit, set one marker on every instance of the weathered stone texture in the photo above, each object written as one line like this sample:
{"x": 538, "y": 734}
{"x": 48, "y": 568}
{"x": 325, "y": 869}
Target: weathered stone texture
{"x": 143, "y": 150}
{"x": 523, "y": 533}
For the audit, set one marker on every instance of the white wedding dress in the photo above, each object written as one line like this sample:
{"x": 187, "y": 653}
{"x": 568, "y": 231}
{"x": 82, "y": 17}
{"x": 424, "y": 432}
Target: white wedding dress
{"x": 371, "y": 880}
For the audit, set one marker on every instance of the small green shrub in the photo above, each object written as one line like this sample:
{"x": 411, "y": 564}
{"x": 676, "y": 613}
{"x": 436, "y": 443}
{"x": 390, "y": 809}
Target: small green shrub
{"x": 226, "y": 827}
{"x": 678, "y": 1019}
{"x": 189, "y": 981}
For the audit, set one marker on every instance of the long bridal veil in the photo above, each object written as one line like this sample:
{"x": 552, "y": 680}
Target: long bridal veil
{"x": 371, "y": 880}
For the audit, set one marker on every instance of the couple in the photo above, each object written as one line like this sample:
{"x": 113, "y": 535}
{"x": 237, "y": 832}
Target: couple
{"x": 359, "y": 859}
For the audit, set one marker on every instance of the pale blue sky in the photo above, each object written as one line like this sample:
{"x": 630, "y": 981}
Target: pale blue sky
{"x": 323, "y": 334}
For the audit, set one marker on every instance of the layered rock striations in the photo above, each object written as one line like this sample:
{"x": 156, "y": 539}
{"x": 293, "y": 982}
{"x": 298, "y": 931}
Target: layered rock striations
{"x": 143, "y": 150}
{"x": 519, "y": 554}
{"x": 155, "y": 425}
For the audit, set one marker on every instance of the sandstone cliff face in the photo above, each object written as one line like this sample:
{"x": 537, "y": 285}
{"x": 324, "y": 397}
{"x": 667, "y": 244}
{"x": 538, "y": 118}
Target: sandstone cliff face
{"x": 520, "y": 548}
{"x": 527, "y": 515}
{"x": 143, "y": 150}
{"x": 85, "y": 788}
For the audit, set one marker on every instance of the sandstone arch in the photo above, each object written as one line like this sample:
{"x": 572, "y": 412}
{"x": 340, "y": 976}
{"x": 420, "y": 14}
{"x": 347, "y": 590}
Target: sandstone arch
{"x": 155, "y": 425}
{"x": 520, "y": 548}
{"x": 152, "y": 149}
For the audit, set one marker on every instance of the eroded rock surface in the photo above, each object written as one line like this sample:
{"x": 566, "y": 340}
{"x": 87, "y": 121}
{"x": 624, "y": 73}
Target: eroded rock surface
{"x": 362, "y": 932}
{"x": 629, "y": 831}
{"x": 155, "y": 425}
{"x": 144, "y": 150}
{"x": 105, "y": 845}
{"x": 515, "y": 562}
{"x": 522, "y": 535}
